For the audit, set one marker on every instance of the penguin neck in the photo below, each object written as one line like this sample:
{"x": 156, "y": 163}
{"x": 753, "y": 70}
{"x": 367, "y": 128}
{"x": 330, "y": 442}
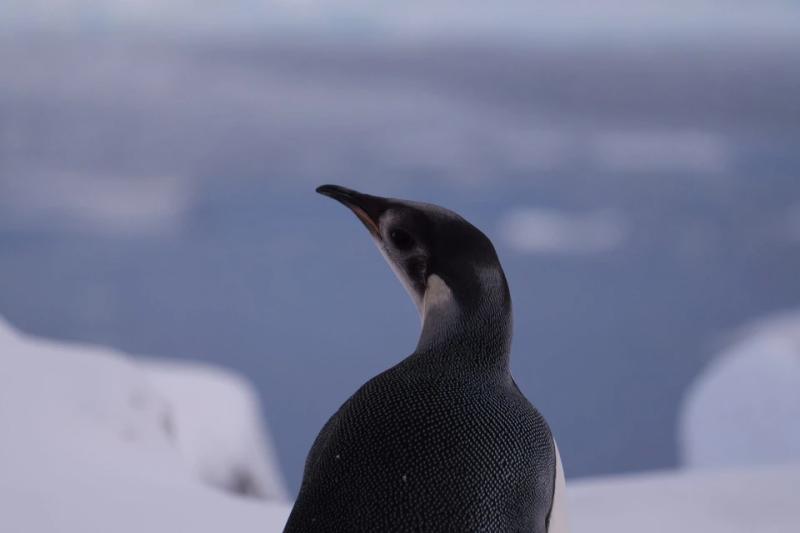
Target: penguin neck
{"x": 471, "y": 328}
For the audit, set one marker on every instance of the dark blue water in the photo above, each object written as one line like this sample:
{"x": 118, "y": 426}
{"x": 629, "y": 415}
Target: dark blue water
{"x": 697, "y": 152}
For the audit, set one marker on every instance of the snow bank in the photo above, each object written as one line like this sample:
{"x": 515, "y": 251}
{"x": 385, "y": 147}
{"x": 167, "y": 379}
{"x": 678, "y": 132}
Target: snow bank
{"x": 754, "y": 500}
{"x": 217, "y": 427}
{"x": 745, "y": 407}
{"x": 89, "y": 444}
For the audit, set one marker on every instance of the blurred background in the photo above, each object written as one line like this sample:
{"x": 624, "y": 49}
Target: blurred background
{"x": 636, "y": 163}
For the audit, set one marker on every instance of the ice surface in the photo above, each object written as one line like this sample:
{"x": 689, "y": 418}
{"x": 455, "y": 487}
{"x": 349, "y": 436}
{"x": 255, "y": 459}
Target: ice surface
{"x": 752, "y": 500}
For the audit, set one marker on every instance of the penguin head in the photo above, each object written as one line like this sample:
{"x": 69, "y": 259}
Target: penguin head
{"x": 446, "y": 264}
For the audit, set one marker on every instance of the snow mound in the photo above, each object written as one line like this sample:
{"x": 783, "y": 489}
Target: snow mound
{"x": 745, "y": 407}
{"x": 89, "y": 444}
{"x": 217, "y": 428}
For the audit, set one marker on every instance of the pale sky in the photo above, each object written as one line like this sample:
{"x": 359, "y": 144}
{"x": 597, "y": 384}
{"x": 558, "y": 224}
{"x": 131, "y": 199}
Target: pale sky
{"x": 548, "y": 19}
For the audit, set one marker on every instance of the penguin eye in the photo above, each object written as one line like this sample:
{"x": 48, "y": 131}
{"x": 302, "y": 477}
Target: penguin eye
{"x": 401, "y": 239}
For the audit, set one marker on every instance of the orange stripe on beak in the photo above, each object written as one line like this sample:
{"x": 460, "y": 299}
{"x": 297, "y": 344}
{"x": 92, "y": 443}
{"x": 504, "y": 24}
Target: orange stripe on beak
{"x": 368, "y": 222}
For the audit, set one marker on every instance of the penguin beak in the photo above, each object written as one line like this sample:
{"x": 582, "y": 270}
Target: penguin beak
{"x": 366, "y": 207}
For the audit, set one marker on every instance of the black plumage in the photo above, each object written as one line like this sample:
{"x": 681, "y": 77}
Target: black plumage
{"x": 445, "y": 440}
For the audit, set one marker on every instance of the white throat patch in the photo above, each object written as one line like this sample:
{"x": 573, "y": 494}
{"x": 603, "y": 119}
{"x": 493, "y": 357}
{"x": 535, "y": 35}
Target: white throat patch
{"x": 438, "y": 296}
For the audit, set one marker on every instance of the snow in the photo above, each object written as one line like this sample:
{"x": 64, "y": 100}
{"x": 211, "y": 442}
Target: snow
{"x": 745, "y": 407}
{"x": 217, "y": 427}
{"x": 751, "y": 500}
{"x": 88, "y": 444}
{"x": 95, "y": 441}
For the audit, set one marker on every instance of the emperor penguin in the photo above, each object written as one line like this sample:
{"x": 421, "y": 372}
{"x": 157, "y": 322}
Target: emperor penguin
{"x": 444, "y": 440}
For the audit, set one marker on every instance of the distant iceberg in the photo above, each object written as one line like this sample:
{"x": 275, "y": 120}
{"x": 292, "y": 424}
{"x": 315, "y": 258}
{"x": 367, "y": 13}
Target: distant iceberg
{"x": 744, "y": 409}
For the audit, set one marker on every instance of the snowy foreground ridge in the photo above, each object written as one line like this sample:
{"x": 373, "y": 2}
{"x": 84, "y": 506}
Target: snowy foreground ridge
{"x": 94, "y": 442}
